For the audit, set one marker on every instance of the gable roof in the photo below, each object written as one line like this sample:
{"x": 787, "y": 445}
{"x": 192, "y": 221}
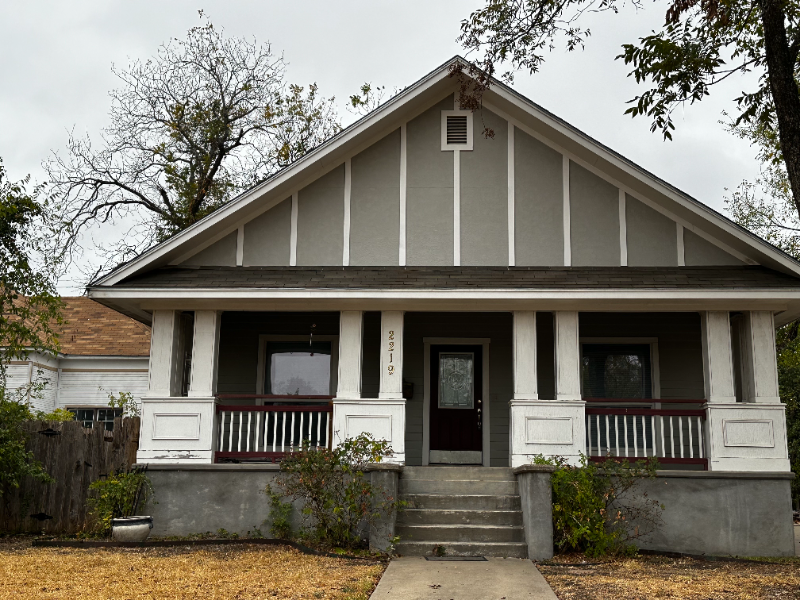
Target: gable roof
{"x": 92, "y": 329}
{"x": 514, "y": 107}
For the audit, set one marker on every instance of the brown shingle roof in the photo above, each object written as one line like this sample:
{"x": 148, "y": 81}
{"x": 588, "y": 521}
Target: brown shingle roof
{"x": 92, "y": 329}
{"x": 399, "y": 278}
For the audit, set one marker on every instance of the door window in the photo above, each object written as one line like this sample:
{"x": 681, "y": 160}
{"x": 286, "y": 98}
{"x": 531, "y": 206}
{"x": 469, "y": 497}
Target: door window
{"x": 456, "y": 380}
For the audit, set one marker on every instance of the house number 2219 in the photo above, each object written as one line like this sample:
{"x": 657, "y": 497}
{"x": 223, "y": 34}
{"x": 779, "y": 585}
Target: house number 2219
{"x": 391, "y": 352}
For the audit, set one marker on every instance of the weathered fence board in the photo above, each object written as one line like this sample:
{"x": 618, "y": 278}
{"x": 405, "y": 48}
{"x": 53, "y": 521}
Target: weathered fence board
{"x": 75, "y": 457}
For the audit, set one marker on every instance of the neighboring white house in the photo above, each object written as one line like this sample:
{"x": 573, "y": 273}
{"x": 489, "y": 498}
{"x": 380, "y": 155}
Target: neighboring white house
{"x": 475, "y": 300}
{"x": 102, "y": 352}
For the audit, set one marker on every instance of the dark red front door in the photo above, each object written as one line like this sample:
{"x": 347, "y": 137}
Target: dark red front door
{"x": 456, "y": 403}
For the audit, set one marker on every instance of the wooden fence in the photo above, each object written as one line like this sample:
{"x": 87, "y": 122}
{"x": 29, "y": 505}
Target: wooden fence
{"x": 75, "y": 457}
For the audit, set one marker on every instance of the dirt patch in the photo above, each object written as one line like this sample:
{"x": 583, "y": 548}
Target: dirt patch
{"x": 648, "y": 577}
{"x": 233, "y": 571}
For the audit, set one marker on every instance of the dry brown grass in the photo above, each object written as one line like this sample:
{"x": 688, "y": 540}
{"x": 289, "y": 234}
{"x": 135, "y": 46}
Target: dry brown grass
{"x": 227, "y": 571}
{"x": 650, "y": 577}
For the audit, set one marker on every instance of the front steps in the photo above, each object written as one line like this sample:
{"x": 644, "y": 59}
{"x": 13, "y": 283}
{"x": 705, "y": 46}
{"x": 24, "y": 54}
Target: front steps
{"x": 462, "y": 511}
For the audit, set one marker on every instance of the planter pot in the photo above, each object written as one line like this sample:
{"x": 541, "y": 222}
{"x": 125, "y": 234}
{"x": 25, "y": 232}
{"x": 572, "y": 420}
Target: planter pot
{"x": 131, "y": 529}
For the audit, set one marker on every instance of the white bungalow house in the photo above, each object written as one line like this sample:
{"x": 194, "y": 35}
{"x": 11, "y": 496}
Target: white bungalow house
{"x": 102, "y": 352}
{"x": 475, "y": 301}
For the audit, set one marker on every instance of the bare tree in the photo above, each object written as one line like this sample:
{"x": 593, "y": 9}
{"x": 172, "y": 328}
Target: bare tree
{"x": 191, "y": 128}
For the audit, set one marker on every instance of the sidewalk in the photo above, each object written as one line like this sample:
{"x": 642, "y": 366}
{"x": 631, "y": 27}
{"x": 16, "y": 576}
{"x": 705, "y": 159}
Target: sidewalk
{"x": 414, "y": 578}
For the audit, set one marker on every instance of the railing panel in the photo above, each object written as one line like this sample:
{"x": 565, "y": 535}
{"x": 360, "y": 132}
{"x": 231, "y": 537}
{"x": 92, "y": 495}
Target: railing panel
{"x": 674, "y": 435}
{"x": 268, "y": 433}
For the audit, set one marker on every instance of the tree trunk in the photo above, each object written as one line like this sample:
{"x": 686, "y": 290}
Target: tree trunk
{"x": 780, "y": 68}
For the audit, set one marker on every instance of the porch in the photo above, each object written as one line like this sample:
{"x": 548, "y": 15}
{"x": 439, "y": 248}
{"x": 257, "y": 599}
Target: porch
{"x": 698, "y": 390}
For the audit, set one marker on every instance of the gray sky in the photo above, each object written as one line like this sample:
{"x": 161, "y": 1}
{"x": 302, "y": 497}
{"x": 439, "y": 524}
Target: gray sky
{"x": 55, "y": 65}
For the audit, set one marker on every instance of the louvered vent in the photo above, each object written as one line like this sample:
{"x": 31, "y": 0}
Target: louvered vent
{"x": 456, "y": 129}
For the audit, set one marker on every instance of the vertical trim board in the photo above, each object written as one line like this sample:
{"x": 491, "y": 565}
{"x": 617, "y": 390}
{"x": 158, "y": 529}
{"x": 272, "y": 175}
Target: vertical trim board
{"x": 240, "y": 246}
{"x": 348, "y": 187}
{"x": 623, "y": 230}
{"x": 681, "y": 251}
{"x": 293, "y": 233}
{"x": 457, "y": 208}
{"x": 511, "y": 199}
{"x": 403, "y": 191}
{"x": 567, "y": 236}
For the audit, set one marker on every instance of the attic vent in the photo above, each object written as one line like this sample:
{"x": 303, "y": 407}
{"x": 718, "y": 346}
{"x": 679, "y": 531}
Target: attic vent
{"x": 456, "y": 130}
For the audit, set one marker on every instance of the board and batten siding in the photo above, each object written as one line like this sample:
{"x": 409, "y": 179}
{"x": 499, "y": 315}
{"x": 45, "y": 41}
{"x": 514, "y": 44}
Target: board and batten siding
{"x": 512, "y": 200}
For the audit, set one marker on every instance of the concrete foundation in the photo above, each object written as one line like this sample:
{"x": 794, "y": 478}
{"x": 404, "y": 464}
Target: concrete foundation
{"x": 718, "y": 513}
{"x": 536, "y": 497}
{"x": 385, "y": 477}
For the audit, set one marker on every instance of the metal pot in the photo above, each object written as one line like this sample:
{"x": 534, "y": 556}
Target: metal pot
{"x": 131, "y": 529}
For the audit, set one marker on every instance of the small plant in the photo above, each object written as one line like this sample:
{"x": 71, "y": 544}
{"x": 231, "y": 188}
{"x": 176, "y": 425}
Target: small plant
{"x": 59, "y": 415}
{"x": 126, "y": 402}
{"x": 280, "y": 515}
{"x": 118, "y": 495}
{"x": 439, "y": 550}
{"x": 600, "y": 508}
{"x": 337, "y": 497}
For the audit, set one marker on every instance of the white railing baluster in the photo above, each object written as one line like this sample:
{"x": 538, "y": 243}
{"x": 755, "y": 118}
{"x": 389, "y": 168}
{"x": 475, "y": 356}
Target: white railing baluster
{"x": 291, "y": 434}
{"x": 625, "y": 422}
{"x": 221, "y": 433}
{"x": 319, "y": 422}
{"x": 672, "y": 436}
{"x": 283, "y": 431}
{"x": 653, "y": 434}
{"x": 680, "y": 433}
{"x": 302, "y": 437}
{"x": 691, "y": 441}
{"x": 700, "y": 439}
{"x": 608, "y": 437}
{"x": 663, "y": 439}
{"x": 274, "y": 430}
{"x": 616, "y": 433}
{"x": 249, "y": 429}
{"x": 635, "y": 439}
{"x": 239, "y": 441}
{"x": 230, "y": 431}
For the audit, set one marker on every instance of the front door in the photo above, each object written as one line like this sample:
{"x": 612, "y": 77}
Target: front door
{"x": 456, "y": 382}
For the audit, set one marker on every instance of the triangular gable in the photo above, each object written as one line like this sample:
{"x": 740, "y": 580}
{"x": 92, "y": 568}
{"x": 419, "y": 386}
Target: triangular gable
{"x": 613, "y": 206}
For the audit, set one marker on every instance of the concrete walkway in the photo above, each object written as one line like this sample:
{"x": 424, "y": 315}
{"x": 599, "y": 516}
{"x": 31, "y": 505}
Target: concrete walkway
{"x": 414, "y": 578}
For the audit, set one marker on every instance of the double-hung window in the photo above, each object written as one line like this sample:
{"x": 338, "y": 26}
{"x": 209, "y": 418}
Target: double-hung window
{"x": 102, "y": 417}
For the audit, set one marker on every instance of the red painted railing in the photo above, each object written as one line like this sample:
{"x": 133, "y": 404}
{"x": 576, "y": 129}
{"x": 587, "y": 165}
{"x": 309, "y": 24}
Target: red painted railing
{"x": 673, "y": 435}
{"x": 268, "y": 433}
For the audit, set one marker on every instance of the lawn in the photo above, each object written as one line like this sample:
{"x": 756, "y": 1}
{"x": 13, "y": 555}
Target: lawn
{"x": 648, "y": 577}
{"x": 238, "y": 571}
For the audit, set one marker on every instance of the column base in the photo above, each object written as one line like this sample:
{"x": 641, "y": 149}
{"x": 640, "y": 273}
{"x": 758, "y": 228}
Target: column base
{"x": 746, "y": 437}
{"x": 384, "y": 419}
{"x": 549, "y": 428}
{"x": 177, "y": 431}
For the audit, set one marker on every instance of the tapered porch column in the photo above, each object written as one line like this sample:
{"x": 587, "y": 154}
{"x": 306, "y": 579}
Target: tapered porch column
{"x": 549, "y": 427}
{"x": 166, "y": 354}
{"x": 179, "y": 429}
{"x": 749, "y": 435}
{"x": 382, "y": 417}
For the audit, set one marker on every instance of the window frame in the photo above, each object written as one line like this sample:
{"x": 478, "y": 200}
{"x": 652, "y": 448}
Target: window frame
{"x": 655, "y": 370}
{"x": 261, "y": 374}
{"x": 95, "y": 410}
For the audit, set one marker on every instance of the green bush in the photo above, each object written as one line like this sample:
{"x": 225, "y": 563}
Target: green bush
{"x": 280, "y": 515}
{"x": 16, "y": 463}
{"x": 600, "y": 508}
{"x": 336, "y": 495}
{"x": 118, "y": 495}
{"x": 59, "y": 415}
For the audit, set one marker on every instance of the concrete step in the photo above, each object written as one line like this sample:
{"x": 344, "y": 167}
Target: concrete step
{"x": 499, "y": 549}
{"x": 417, "y": 516}
{"x": 458, "y": 486}
{"x": 462, "y": 501}
{"x": 474, "y": 473}
{"x": 460, "y": 533}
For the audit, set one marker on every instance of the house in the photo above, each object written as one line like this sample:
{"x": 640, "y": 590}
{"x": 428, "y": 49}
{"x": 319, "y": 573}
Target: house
{"x": 476, "y": 301}
{"x": 102, "y": 352}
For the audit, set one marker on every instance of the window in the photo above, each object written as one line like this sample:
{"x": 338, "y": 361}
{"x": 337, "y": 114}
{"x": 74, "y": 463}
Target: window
{"x": 298, "y": 368}
{"x": 616, "y": 371}
{"x": 456, "y": 130}
{"x": 103, "y": 416}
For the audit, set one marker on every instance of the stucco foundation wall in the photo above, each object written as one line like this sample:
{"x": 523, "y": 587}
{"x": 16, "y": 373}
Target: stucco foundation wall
{"x": 722, "y": 514}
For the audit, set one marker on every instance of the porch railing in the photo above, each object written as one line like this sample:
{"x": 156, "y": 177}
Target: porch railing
{"x": 268, "y": 433}
{"x": 673, "y": 435}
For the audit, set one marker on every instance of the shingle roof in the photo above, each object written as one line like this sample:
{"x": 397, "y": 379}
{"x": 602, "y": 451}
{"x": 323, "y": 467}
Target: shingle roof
{"x": 96, "y": 330}
{"x": 745, "y": 277}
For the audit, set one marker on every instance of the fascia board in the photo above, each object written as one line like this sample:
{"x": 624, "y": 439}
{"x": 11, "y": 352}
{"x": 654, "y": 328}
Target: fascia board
{"x": 313, "y": 158}
{"x": 683, "y": 200}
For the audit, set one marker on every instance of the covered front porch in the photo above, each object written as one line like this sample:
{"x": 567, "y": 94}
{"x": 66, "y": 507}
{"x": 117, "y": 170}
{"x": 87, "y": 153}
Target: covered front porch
{"x": 697, "y": 389}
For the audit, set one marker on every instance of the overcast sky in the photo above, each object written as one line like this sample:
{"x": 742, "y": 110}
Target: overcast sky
{"x": 56, "y": 57}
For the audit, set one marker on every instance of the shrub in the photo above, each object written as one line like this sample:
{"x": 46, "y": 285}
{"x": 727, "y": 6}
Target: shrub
{"x": 59, "y": 415}
{"x": 600, "y": 508}
{"x": 280, "y": 515}
{"x": 118, "y": 495}
{"x": 16, "y": 463}
{"x": 126, "y": 402}
{"x": 336, "y": 496}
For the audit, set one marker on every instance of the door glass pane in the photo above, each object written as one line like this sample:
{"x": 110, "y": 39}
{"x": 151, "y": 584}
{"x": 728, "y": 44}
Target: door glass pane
{"x": 299, "y": 368}
{"x": 456, "y": 380}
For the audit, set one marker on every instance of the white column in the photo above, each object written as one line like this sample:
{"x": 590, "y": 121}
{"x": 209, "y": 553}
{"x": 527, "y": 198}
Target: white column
{"x": 751, "y": 435}
{"x": 759, "y": 360}
{"x": 717, "y": 357}
{"x": 205, "y": 354}
{"x": 351, "y": 333}
{"x": 166, "y": 354}
{"x": 391, "y": 384}
{"x": 568, "y": 356}
{"x": 525, "y": 371}
{"x": 548, "y": 427}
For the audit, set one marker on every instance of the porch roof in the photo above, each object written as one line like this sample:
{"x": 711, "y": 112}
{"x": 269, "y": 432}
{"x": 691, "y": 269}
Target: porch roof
{"x": 455, "y": 278}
